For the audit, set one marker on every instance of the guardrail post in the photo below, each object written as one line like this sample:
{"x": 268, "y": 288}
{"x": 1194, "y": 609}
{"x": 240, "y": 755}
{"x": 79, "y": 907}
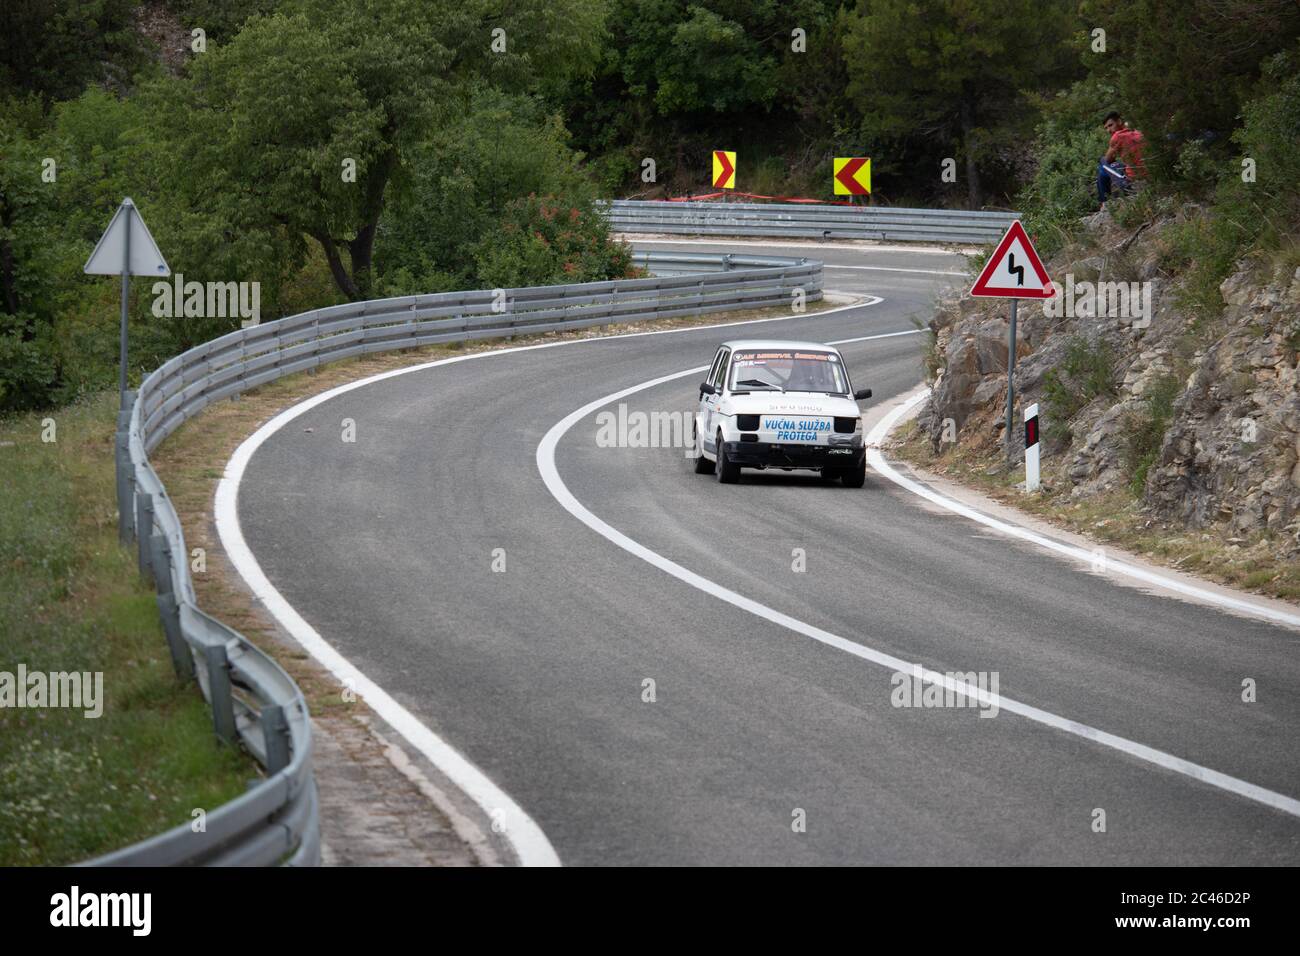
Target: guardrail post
{"x": 275, "y": 732}
{"x": 122, "y": 463}
{"x": 169, "y": 610}
{"x": 122, "y": 468}
{"x": 143, "y": 529}
{"x": 223, "y": 707}
{"x": 158, "y": 564}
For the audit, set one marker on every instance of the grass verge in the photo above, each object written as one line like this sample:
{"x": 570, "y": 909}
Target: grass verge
{"x": 1252, "y": 564}
{"x": 71, "y": 599}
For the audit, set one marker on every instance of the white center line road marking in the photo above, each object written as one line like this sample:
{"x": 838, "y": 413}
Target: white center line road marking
{"x": 526, "y": 838}
{"x": 560, "y": 491}
{"x": 877, "y": 460}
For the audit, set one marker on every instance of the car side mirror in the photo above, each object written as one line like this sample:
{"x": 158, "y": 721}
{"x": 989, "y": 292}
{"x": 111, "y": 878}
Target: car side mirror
{"x": 861, "y": 393}
{"x": 707, "y": 389}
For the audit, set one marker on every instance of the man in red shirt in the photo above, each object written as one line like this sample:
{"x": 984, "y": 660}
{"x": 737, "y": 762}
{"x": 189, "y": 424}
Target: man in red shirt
{"x": 1122, "y": 163}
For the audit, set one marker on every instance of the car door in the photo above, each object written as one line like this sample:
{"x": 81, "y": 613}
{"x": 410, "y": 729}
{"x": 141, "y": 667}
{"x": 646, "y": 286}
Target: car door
{"x": 709, "y": 403}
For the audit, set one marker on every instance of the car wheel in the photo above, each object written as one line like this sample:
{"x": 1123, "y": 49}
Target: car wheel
{"x": 856, "y": 476}
{"x": 702, "y": 465}
{"x": 728, "y": 472}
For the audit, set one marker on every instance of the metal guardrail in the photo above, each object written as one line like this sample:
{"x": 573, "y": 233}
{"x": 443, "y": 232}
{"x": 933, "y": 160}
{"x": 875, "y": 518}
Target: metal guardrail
{"x": 254, "y": 702}
{"x": 802, "y": 221}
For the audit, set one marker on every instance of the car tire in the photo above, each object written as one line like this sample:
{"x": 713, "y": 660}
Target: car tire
{"x": 702, "y": 465}
{"x": 728, "y": 472}
{"x": 856, "y": 476}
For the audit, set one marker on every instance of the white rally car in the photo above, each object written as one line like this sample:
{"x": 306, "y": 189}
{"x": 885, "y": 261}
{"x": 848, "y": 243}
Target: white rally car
{"x": 774, "y": 404}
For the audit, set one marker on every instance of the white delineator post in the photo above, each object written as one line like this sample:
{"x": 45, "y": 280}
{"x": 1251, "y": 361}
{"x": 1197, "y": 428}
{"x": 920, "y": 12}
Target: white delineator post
{"x": 1031, "y": 448}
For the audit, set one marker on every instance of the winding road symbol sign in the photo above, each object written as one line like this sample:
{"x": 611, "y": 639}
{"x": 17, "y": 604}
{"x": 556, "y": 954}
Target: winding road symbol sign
{"x": 1014, "y": 270}
{"x": 852, "y": 176}
{"x": 724, "y": 169}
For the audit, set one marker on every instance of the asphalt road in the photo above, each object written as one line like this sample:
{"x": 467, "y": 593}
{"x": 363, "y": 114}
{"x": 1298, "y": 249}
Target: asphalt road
{"x": 536, "y": 674}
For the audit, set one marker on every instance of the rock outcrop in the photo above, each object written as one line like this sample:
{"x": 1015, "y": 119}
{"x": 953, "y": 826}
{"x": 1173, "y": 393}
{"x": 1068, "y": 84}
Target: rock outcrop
{"x": 1203, "y": 421}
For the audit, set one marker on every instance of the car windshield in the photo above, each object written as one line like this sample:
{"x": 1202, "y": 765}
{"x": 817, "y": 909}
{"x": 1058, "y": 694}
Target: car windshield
{"x": 791, "y": 371}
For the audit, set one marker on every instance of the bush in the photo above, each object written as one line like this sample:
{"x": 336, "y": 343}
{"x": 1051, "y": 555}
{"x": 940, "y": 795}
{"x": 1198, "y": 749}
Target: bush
{"x": 1144, "y": 432}
{"x": 1063, "y": 189}
{"x": 1067, "y": 144}
{"x": 462, "y": 180}
{"x": 1088, "y": 371}
{"x": 1245, "y": 216}
{"x": 220, "y": 19}
{"x": 27, "y": 374}
{"x": 545, "y": 241}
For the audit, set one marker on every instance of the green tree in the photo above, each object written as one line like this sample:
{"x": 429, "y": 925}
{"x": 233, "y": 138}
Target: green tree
{"x": 678, "y": 78}
{"x": 461, "y": 179}
{"x": 947, "y": 78}
{"x": 543, "y": 241}
{"x": 1183, "y": 69}
{"x": 55, "y": 47}
{"x": 219, "y": 19}
{"x": 33, "y": 254}
{"x": 268, "y": 125}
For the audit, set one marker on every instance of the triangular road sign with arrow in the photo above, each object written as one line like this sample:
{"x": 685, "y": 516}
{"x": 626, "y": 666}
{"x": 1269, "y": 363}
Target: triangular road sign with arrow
{"x": 126, "y": 249}
{"x": 1014, "y": 270}
{"x": 111, "y": 252}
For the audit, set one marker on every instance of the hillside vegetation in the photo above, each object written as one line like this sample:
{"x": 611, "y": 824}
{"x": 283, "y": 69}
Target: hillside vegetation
{"x": 1175, "y": 432}
{"x": 332, "y": 149}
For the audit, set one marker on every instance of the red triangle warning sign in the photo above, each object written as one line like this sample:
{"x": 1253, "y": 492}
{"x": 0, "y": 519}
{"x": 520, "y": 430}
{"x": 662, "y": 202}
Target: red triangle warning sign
{"x": 1014, "y": 270}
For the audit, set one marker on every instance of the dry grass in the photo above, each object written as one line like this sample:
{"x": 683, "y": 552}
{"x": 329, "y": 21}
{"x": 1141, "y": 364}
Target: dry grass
{"x": 1253, "y": 564}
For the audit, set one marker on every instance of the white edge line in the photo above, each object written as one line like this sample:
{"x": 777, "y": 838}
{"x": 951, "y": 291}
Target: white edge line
{"x": 863, "y": 245}
{"x": 560, "y": 491}
{"x": 530, "y": 844}
{"x": 826, "y": 266}
{"x": 878, "y": 462}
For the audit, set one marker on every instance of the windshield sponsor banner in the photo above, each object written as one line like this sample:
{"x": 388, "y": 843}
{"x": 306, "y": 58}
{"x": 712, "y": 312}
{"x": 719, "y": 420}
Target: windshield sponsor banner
{"x": 755, "y": 358}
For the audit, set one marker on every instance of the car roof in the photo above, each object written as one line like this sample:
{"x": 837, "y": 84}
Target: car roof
{"x": 786, "y": 344}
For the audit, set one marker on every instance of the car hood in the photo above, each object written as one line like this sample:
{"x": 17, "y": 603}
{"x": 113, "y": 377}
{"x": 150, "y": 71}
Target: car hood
{"x": 801, "y": 403}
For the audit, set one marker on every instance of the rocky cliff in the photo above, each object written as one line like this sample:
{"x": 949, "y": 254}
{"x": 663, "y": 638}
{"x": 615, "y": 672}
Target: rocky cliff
{"x": 1199, "y": 416}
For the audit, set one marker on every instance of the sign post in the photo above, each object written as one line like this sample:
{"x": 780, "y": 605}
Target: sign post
{"x": 1011, "y": 377}
{"x": 126, "y": 248}
{"x": 1013, "y": 272}
{"x": 127, "y": 210}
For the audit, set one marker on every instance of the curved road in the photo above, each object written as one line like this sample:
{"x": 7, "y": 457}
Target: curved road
{"x": 536, "y": 674}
